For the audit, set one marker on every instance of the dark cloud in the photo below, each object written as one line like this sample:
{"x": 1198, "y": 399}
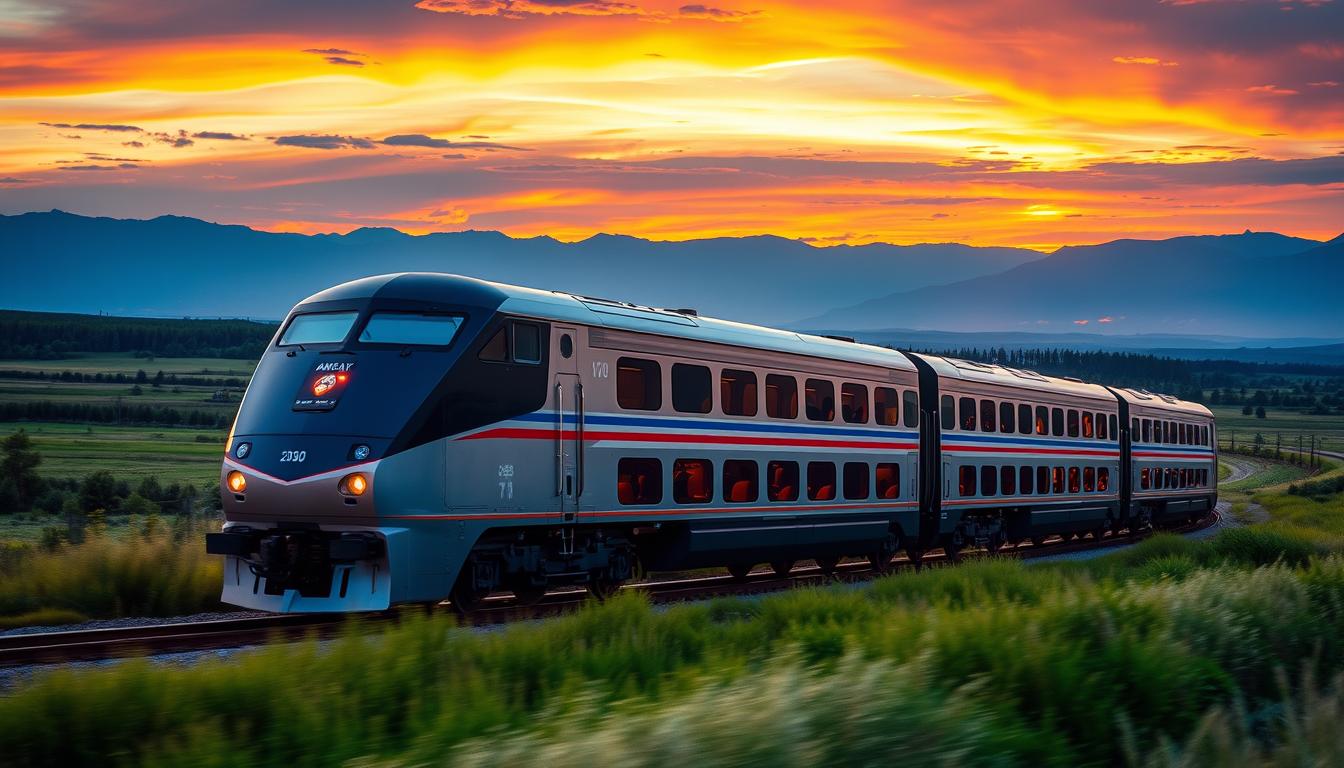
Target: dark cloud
{"x": 324, "y": 142}
{"x": 218, "y": 136}
{"x": 338, "y": 56}
{"x": 332, "y": 52}
{"x": 935, "y": 201}
{"x": 421, "y": 140}
{"x": 117, "y": 167}
{"x": 343, "y": 61}
{"x": 179, "y": 139}
{"x": 134, "y": 144}
{"x": 96, "y": 127}
{"x": 15, "y": 180}
{"x": 698, "y": 11}
{"x": 522, "y": 9}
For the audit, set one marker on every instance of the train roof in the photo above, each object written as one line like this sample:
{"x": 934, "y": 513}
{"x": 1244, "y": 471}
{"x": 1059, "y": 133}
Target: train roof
{"x": 1143, "y": 397}
{"x": 1002, "y": 375}
{"x": 435, "y": 287}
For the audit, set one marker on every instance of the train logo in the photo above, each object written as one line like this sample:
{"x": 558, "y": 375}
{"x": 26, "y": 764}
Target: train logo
{"x": 324, "y": 385}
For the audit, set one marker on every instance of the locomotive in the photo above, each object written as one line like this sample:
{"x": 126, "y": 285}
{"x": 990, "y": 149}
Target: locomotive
{"x": 419, "y": 436}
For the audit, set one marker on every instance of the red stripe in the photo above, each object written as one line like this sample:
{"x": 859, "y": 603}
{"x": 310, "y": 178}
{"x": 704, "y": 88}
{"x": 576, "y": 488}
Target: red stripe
{"x": 590, "y": 435}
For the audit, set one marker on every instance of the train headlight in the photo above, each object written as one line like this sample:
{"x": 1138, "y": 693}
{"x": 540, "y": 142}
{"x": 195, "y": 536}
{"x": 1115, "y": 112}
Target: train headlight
{"x": 237, "y": 481}
{"x": 354, "y": 484}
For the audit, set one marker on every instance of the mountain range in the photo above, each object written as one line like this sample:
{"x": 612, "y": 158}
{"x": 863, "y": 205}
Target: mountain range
{"x": 1246, "y": 287}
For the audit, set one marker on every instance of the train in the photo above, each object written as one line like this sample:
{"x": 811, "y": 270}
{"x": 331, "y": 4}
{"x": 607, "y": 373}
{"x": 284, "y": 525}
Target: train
{"x": 416, "y": 437}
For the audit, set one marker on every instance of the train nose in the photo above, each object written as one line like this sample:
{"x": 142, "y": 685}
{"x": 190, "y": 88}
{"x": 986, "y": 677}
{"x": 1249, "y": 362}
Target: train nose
{"x": 250, "y": 494}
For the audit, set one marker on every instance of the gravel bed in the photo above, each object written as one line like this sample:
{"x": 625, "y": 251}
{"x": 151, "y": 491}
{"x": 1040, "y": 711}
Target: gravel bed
{"x": 132, "y": 622}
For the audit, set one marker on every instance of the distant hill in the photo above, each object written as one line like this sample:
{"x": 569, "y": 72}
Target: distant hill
{"x": 1254, "y": 284}
{"x": 54, "y": 336}
{"x": 181, "y": 266}
{"x": 1185, "y": 346}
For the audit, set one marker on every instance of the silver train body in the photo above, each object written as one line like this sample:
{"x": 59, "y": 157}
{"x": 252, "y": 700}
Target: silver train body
{"x": 547, "y": 439}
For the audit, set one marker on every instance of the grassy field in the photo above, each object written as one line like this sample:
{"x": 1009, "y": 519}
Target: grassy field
{"x": 130, "y": 453}
{"x": 1289, "y": 424}
{"x": 125, "y": 363}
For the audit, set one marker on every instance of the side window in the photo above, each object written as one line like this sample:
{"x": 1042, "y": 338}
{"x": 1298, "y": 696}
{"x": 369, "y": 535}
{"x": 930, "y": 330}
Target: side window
{"x": 1057, "y": 480}
{"x": 1042, "y": 479}
{"x": 782, "y": 480}
{"x": 911, "y": 406}
{"x": 737, "y": 392}
{"x": 1143, "y": 478}
{"x": 1134, "y": 430}
{"x": 1024, "y": 419}
{"x": 819, "y": 397}
{"x": 1057, "y": 422}
{"x": 1073, "y": 479}
{"x": 526, "y": 343}
{"x": 1103, "y": 479}
{"x": 1147, "y": 431}
{"x": 1008, "y": 480}
{"x": 692, "y": 481}
{"x": 966, "y": 481}
{"x": 886, "y": 407}
{"x": 740, "y": 481}
{"x": 1042, "y": 420}
{"x": 1087, "y": 424}
{"x": 948, "y": 413}
{"x": 639, "y": 384}
{"x": 496, "y": 350}
{"x": 821, "y": 480}
{"x": 854, "y": 403}
{"x": 781, "y": 396}
{"x": 1073, "y": 423}
{"x": 967, "y": 414}
{"x": 856, "y": 480}
{"x": 1089, "y": 479}
{"x": 1024, "y": 480}
{"x": 1101, "y": 426}
{"x": 1006, "y": 417}
{"x": 639, "y": 481}
{"x": 987, "y": 415}
{"x": 989, "y": 480}
{"x": 1115, "y": 433}
{"x": 692, "y": 391}
{"x": 888, "y": 480}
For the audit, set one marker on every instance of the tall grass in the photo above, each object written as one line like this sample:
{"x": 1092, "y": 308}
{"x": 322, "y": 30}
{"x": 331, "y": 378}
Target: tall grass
{"x": 159, "y": 575}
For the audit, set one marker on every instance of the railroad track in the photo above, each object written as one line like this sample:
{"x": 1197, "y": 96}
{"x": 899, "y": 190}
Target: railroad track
{"x": 120, "y": 642}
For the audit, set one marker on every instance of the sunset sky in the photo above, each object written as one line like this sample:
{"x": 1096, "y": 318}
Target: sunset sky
{"x": 988, "y": 122}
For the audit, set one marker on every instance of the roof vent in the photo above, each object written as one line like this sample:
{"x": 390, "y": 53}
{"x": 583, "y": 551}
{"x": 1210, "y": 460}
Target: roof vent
{"x": 849, "y": 339}
{"x": 1073, "y": 379}
{"x": 685, "y": 311}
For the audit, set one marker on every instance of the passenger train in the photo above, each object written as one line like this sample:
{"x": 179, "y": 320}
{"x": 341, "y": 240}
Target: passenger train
{"x": 411, "y": 437}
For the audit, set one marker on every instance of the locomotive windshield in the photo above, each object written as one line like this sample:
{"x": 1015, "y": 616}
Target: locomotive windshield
{"x": 410, "y": 328}
{"x": 318, "y": 328}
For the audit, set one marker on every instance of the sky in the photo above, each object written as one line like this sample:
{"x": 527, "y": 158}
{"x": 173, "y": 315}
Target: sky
{"x": 986, "y": 122}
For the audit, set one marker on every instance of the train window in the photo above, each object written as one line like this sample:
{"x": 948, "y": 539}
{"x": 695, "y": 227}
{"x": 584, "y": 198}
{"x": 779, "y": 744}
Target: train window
{"x": 1147, "y": 431}
{"x": 1089, "y": 479}
{"x": 1042, "y": 420}
{"x": 783, "y": 480}
{"x": 1008, "y": 480}
{"x": 639, "y": 384}
{"x": 987, "y": 415}
{"x": 856, "y": 480}
{"x": 1115, "y": 433}
{"x": 781, "y": 396}
{"x": 496, "y": 350}
{"x": 1073, "y": 479}
{"x": 740, "y": 481}
{"x": 966, "y": 481}
{"x": 948, "y": 413}
{"x": 1042, "y": 479}
{"x": 692, "y": 481}
{"x": 911, "y": 408}
{"x": 1103, "y": 479}
{"x": 989, "y": 480}
{"x": 888, "y": 480}
{"x": 1143, "y": 478}
{"x": 1006, "y": 414}
{"x": 821, "y": 480}
{"x": 819, "y": 396}
{"x": 639, "y": 481}
{"x": 526, "y": 342}
{"x": 321, "y": 328}
{"x": 1024, "y": 419}
{"x": 1133, "y": 430}
{"x": 692, "y": 388}
{"x": 1024, "y": 480}
{"x": 1205, "y": 432}
{"x": 419, "y": 329}
{"x": 854, "y": 403}
{"x": 1057, "y": 480}
{"x": 737, "y": 392}
{"x": 1180, "y": 434}
{"x": 1169, "y": 431}
{"x": 566, "y": 346}
{"x": 886, "y": 407}
{"x": 1073, "y": 423}
{"x": 1101, "y": 426}
{"x": 1204, "y": 477}
{"x": 1057, "y": 422}
{"x": 1087, "y": 424}
{"x": 967, "y": 405}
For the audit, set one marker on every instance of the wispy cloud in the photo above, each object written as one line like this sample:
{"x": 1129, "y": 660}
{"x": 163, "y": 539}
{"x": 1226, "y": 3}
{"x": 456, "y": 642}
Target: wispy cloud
{"x": 323, "y": 142}
{"x": 96, "y": 127}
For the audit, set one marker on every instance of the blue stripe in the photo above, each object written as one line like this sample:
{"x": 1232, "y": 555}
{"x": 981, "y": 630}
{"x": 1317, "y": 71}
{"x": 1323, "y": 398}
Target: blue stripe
{"x": 728, "y": 426}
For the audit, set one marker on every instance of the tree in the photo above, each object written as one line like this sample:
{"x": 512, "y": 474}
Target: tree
{"x": 98, "y": 491}
{"x": 1246, "y": 410}
{"x": 19, "y": 468}
{"x": 1260, "y": 412}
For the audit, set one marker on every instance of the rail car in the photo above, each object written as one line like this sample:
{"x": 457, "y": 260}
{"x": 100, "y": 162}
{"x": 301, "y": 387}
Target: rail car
{"x": 411, "y": 437}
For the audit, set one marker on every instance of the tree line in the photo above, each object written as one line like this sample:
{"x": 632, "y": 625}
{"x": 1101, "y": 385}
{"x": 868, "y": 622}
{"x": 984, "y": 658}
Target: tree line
{"x": 120, "y": 377}
{"x": 53, "y": 336}
{"x": 116, "y": 413}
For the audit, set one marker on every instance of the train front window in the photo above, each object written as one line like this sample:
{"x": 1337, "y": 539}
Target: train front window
{"x": 318, "y": 328}
{"x": 410, "y": 329}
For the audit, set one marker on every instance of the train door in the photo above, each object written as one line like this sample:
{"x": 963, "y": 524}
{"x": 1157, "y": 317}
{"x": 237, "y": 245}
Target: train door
{"x": 568, "y": 391}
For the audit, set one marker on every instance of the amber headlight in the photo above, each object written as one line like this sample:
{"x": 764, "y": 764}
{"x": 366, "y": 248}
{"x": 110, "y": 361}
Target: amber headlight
{"x": 354, "y": 484}
{"x": 237, "y": 481}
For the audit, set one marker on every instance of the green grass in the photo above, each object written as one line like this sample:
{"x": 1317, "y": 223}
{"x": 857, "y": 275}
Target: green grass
{"x": 130, "y": 453}
{"x": 125, "y": 363}
{"x": 1288, "y": 423}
